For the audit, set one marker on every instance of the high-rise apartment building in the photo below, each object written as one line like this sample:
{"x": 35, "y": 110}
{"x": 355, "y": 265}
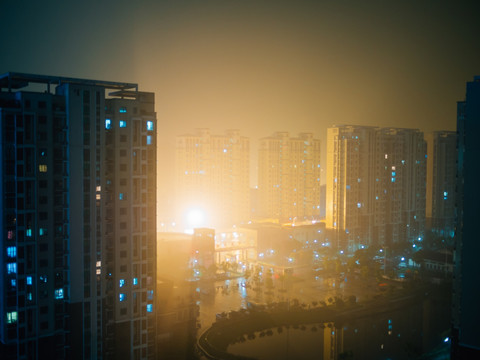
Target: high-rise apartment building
{"x": 213, "y": 178}
{"x": 441, "y": 181}
{"x": 78, "y": 218}
{"x": 466, "y": 293}
{"x": 289, "y": 177}
{"x": 375, "y": 185}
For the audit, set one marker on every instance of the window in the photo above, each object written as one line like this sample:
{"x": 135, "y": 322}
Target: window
{"x": 11, "y": 268}
{"x": 11, "y": 317}
{"x": 29, "y": 280}
{"x": 108, "y": 124}
{"x": 12, "y": 251}
{"x": 149, "y": 139}
{"x": 59, "y": 293}
{"x": 135, "y": 281}
{"x": 122, "y": 297}
{"x": 150, "y": 294}
{"x": 149, "y": 125}
{"x": 121, "y": 196}
{"x": 123, "y": 110}
{"x": 42, "y": 168}
{"x": 122, "y": 123}
{"x": 121, "y": 282}
{"x": 13, "y": 282}
{"x": 150, "y": 308}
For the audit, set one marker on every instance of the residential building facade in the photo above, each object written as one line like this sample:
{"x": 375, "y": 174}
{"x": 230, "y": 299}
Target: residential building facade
{"x": 289, "y": 177}
{"x": 78, "y": 228}
{"x": 375, "y": 185}
{"x": 441, "y": 181}
{"x": 213, "y": 177}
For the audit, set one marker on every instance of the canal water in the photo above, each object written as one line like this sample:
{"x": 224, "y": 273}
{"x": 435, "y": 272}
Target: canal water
{"x": 401, "y": 334}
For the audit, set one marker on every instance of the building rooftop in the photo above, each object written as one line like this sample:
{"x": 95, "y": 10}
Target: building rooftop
{"x": 15, "y": 81}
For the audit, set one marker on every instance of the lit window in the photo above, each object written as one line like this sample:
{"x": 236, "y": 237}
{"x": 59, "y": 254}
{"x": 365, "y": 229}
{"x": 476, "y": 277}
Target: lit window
{"x": 108, "y": 123}
{"x": 149, "y": 307}
{"x": 28, "y": 232}
{"x": 98, "y": 196}
{"x": 135, "y": 281}
{"x": 149, "y": 139}
{"x": 29, "y": 280}
{"x": 393, "y": 179}
{"x": 29, "y": 296}
{"x": 12, "y": 251}
{"x": 150, "y": 294}
{"x": 43, "y": 278}
{"x": 121, "y": 282}
{"x": 121, "y": 196}
{"x": 42, "y": 168}
{"x": 123, "y": 110}
{"x": 13, "y": 282}
{"x": 122, "y": 297}
{"x": 122, "y": 123}
{"x": 42, "y": 231}
{"x": 59, "y": 294}
{"x": 149, "y": 125}
{"x": 11, "y": 317}
{"x": 11, "y": 268}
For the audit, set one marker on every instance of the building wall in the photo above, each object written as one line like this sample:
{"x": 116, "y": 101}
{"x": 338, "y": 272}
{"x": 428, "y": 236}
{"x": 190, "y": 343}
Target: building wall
{"x": 375, "y": 185}
{"x": 289, "y": 177}
{"x": 80, "y": 220}
{"x": 212, "y": 173}
{"x": 441, "y": 181}
{"x": 466, "y": 295}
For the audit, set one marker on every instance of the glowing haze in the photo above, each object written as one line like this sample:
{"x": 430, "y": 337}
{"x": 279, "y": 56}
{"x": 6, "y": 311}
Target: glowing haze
{"x": 258, "y": 66}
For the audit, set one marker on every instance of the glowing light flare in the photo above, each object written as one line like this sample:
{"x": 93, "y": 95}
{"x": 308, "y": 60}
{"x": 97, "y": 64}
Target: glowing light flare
{"x": 195, "y": 217}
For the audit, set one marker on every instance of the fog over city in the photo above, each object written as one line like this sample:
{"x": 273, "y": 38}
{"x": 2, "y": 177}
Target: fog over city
{"x": 228, "y": 179}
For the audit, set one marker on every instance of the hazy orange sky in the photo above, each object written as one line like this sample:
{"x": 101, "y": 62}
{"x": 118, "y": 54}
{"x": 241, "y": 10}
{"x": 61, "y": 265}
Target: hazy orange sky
{"x": 259, "y": 66}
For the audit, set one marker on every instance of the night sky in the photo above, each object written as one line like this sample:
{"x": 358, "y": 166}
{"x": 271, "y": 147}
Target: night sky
{"x": 259, "y": 66}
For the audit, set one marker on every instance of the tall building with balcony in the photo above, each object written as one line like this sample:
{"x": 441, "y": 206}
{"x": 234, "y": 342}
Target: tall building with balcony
{"x": 466, "y": 293}
{"x": 78, "y": 218}
{"x": 375, "y": 185}
{"x": 441, "y": 181}
{"x": 289, "y": 177}
{"x": 212, "y": 178}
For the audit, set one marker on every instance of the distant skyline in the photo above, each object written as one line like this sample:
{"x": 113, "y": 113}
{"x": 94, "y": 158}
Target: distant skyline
{"x": 259, "y": 66}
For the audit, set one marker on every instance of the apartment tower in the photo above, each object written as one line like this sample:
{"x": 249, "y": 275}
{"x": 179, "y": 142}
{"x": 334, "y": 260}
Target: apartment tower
{"x": 78, "y": 218}
{"x": 212, "y": 178}
{"x": 466, "y": 293}
{"x": 441, "y": 182}
{"x": 375, "y": 185}
{"x": 289, "y": 177}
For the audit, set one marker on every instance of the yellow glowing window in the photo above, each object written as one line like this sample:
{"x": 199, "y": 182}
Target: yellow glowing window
{"x": 42, "y": 168}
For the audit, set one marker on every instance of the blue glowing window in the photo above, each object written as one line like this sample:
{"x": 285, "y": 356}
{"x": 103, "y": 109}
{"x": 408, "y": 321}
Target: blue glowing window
{"x": 348, "y": 187}
{"x": 28, "y": 232}
{"x": 149, "y": 139}
{"x": 42, "y": 231}
{"x": 149, "y": 307}
{"x": 11, "y": 268}
{"x": 122, "y": 297}
{"x": 123, "y": 110}
{"x": 135, "y": 281}
{"x": 149, "y": 125}
{"x": 122, "y": 123}
{"x": 29, "y": 280}
{"x": 13, "y": 282}
{"x": 150, "y": 294}
{"x": 121, "y": 282}
{"x": 11, "y": 317}
{"x": 59, "y": 294}
{"x": 121, "y": 196}
{"x": 393, "y": 173}
{"x": 359, "y": 205}
{"x": 12, "y": 251}
{"x": 29, "y": 296}
{"x": 393, "y": 179}
{"x": 108, "y": 124}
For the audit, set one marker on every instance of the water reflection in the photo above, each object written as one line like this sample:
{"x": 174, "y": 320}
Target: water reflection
{"x": 402, "y": 334}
